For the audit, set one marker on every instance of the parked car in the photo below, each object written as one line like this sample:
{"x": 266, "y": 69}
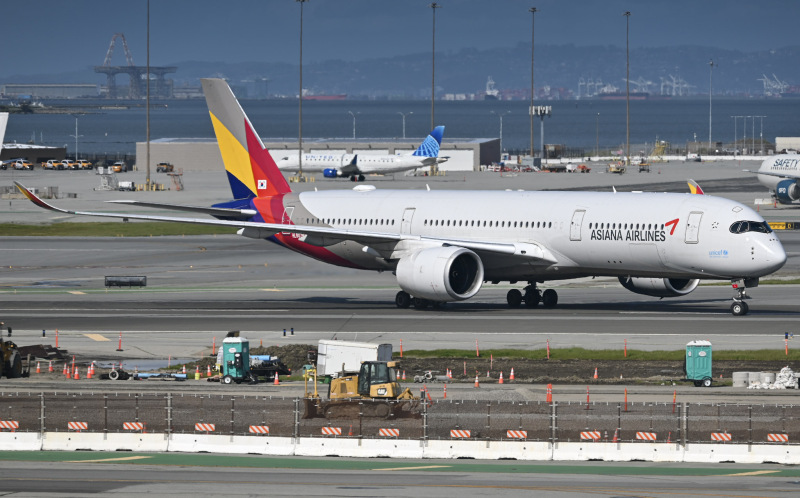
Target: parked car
{"x": 69, "y": 164}
{"x": 83, "y": 164}
{"x": 21, "y": 164}
{"x": 119, "y": 167}
{"x": 164, "y": 168}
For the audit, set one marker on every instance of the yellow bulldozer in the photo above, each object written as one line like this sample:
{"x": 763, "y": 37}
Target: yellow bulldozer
{"x": 372, "y": 392}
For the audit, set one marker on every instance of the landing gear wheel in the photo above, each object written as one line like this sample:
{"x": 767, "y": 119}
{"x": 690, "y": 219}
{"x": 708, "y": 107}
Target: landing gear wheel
{"x": 420, "y": 303}
{"x": 549, "y": 298}
{"x": 514, "y": 298}
{"x": 706, "y": 382}
{"x": 361, "y": 178}
{"x": 402, "y": 299}
{"x": 739, "y": 308}
{"x": 532, "y": 299}
{"x": 227, "y": 379}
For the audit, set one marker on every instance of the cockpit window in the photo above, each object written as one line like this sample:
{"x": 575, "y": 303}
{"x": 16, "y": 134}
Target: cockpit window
{"x": 750, "y": 226}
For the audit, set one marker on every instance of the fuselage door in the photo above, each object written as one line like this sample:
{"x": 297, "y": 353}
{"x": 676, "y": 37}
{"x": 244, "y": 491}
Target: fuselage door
{"x": 693, "y": 227}
{"x": 405, "y": 224}
{"x": 575, "y": 225}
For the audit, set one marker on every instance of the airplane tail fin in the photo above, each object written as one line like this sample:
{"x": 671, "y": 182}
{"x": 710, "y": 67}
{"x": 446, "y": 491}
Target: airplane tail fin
{"x": 694, "y": 187}
{"x": 251, "y": 170}
{"x": 430, "y": 146}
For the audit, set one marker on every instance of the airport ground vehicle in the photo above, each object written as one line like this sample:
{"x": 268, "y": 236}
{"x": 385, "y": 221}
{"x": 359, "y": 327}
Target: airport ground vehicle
{"x": 164, "y": 168}
{"x": 119, "y": 167}
{"x": 130, "y": 186}
{"x": 11, "y": 364}
{"x": 235, "y": 363}
{"x": 365, "y": 374}
{"x": 20, "y": 164}
{"x": 69, "y": 164}
{"x": 644, "y": 167}
{"x": 52, "y": 164}
{"x": 83, "y": 164}
{"x": 617, "y": 167}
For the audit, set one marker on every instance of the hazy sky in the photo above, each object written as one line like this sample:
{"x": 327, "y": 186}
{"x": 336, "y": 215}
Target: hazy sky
{"x": 64, "y": 35}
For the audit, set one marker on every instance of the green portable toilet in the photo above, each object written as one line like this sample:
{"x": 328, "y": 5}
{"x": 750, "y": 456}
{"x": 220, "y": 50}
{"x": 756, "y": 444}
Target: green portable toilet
{"x": 235, "y": 360}
{"x": 697, "y": 365}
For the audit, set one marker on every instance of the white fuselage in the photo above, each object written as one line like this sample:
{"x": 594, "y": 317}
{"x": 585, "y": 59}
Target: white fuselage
{"x": 586, "y": 233}
{"x": 349, "y": 164}
{"x": 778, "y": 168}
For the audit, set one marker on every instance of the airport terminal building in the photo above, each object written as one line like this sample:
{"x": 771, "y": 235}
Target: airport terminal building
{"x": 196, "y": 154}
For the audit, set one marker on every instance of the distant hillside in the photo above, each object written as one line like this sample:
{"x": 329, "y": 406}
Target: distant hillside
{"x": 466, "y": 71}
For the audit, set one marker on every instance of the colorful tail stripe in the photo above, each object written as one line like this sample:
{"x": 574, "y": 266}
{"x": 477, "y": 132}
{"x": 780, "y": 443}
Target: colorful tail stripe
{"x": 251, "y": 170}
{"x": 430, "y": 146}
{"x": 695, "y": 188}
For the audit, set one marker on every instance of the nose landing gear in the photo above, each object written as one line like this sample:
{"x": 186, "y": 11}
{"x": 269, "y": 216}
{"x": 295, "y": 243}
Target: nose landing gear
{"x": 739, "y": 306}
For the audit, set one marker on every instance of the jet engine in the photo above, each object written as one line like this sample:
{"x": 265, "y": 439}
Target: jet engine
{"x": 787, "y": 191}
{"x": 659, "y": 287}
{"x": 331, "y": 173}
{"x": 441, "y": 274}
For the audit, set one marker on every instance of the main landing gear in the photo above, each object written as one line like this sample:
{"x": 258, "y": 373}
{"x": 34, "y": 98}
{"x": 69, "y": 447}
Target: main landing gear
{"x": 532, "y": 297}
{"x": 356, "y": 178}
{"x": 739, "y": 306}
{"x": 404, "y": 300}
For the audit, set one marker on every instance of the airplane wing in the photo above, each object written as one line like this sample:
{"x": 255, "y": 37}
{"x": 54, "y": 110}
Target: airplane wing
{"x": 228, "y": 213}
{"x": 769, "y": 173}
{"x": 317, "y": 234}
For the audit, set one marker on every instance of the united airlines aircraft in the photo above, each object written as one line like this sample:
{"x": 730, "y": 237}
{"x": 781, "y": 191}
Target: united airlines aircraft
{"x": 443, "y": 246}
{"x": 356, "y": 166}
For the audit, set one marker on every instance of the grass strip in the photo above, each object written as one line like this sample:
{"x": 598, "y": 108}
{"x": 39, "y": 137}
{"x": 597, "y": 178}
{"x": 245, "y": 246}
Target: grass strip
{"x": 565, "y": 354}
{"x": 111, "y": 229}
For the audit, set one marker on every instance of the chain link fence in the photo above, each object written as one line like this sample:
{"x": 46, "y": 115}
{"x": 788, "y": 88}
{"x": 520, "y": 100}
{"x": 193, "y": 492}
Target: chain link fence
{"x": 258, "y": 416}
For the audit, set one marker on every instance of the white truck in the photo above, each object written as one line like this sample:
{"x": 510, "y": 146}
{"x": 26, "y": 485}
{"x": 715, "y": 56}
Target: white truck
{"x": 130, "y": 186}
{"x": 334, "y": 357}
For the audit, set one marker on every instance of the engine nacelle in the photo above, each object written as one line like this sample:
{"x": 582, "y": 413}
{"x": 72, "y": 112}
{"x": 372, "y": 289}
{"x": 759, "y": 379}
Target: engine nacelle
{"x": 787, "y": 191}
{"x": 331, "y": 173}
{"x": 441, "y": 274}
{"x": 659, "y": 287}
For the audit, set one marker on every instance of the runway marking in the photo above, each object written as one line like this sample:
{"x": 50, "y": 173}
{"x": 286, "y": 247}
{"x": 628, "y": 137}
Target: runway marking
{"x": 119, "y": 459}
{"x": 97, "y": 337}
{"x": 271, "y": 290}
{"x": 78, "y": 293}
{"x": 417, "y": 468}
{"x": 754, "y": 473}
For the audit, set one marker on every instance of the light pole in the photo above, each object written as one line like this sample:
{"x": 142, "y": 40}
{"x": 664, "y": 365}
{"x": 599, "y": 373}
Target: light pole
{"x": 76, "y": 136}
{"x": 627, "y": 15}
{"x": 404, "y": 121}
{"x": 710, "y": 72}
{"x": 501, "y": 114}
{"x": 597, "y": 136}
{"x": 354, "y": 123}
{"x": 533, "y": 11}
{"x": 433, "y": 7}
{"x": 300, "y": 100}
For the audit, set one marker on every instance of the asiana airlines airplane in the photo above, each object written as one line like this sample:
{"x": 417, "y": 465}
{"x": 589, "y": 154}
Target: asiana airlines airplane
{"x": 442, "y": 246}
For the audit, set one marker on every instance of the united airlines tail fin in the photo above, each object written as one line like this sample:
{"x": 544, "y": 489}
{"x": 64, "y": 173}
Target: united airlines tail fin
{"x": 430, "y": 146}
{"x": 251, "y": 170}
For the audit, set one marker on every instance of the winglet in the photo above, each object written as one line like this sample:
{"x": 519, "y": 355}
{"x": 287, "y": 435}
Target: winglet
{"x": 36, "y": 200}
{"x": 694, "y": 187}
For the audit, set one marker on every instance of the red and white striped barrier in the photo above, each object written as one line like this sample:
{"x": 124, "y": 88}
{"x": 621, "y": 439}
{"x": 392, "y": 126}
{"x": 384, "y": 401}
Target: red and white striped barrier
{"x": 204, "y": 427}
{"x": 593, "y": 435}
{"x": 460, "y": 433}
{"x": 720, "y": 436}
{"x": 133, "y": 426}
{"x": 778, "y": 438}
{"x": 331, "y": 431}
{"x": 389, "y": 432}
{"x": 517, "y": 434}
{"x": 259, "y": 429}
{"x": 646, "y": 436}
{"x": 12, "y": 425}
{"x": 78, "y": 426}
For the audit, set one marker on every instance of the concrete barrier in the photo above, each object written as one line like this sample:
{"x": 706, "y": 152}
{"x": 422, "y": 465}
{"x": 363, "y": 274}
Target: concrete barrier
{"x": 20, "y": 441}
{"x": 97, "y": 441}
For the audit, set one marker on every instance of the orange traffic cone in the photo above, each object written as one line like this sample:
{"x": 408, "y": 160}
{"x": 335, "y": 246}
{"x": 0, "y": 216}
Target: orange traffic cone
{"x": 277, "y": 381}
{"x": 487, "y": 375}
{"x": 477, "y": 384}
{"x": 50, "y": 368}
{"x": 616, "y": 433}
{"x": 549, "y": 393}
{"x": 511, "y": 377}
{"x": 66, "y": 372}
{"x": 183, "y": 371}
{"x": 77, "y": 375}
{"x": 501, "y": 377}
{"x": 445, "y": 391}
{"x": 595, "y": 372}
{"x": 208, "y": 371}
{"x": 89, "y": 372}
{"x": 350, "y": 432}
{"x": 404, "y": 375}
{"x": 38, "y": 368}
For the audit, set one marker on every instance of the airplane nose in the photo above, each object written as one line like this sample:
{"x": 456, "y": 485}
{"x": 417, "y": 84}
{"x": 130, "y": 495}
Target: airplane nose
{"x": 773, "y": 257}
